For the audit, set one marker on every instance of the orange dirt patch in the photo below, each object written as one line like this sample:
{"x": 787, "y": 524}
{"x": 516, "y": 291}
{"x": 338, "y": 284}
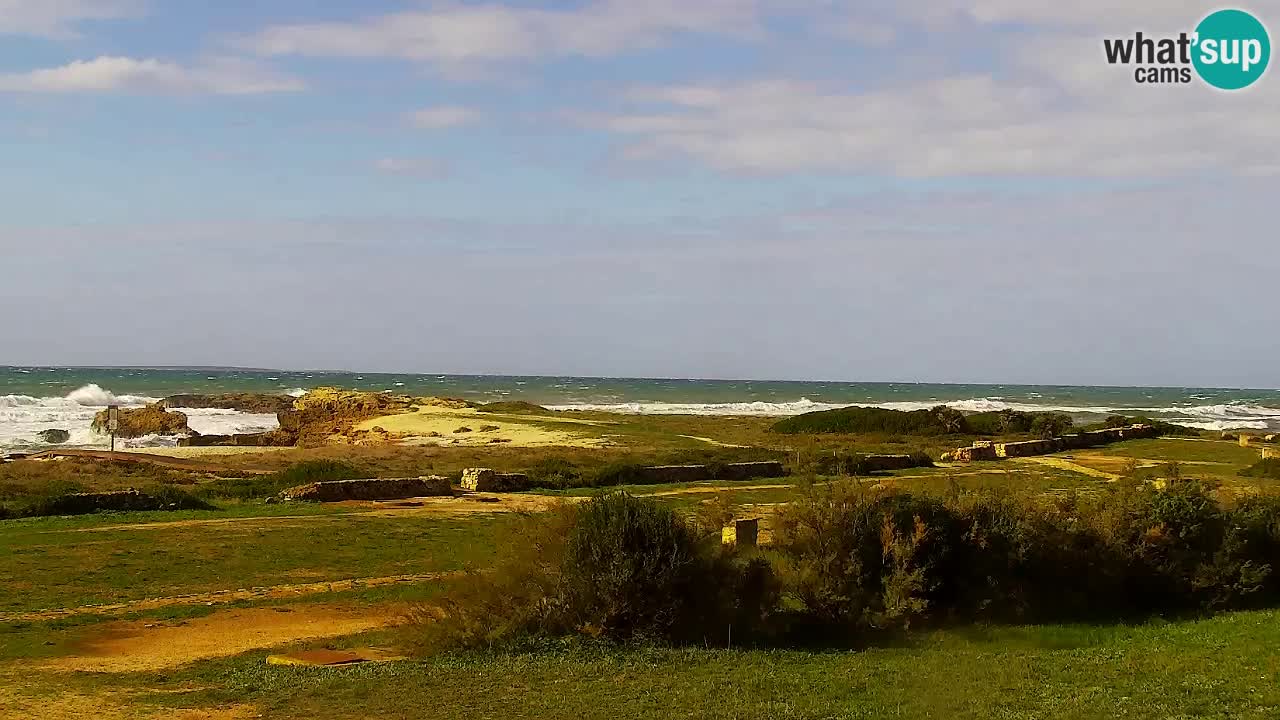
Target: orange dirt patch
{"x": 141, "y": 646}
{"x": 222, "y": 597}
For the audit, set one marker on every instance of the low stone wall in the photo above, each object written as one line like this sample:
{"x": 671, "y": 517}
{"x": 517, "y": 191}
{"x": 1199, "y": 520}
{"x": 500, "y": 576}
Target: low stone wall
{"x": 376, "y": 489}
{"x": 1028, "y": 448}
{"x": 885, "y": 463}
{"x": 986, "y": 450}
{"x": 486, "y": 480}
{"x": 752, "y": 470}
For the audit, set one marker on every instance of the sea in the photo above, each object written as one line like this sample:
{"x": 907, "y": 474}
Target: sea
{"x": 33, "y": 399}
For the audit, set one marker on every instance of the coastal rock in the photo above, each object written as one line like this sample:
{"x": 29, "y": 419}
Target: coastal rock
{"x": 486, "y": 480}
{"x": 259, "y": 403}
{"x": 54, "y": 437}
{"x": 375, "y": 489}
{"x": 149, "y": 420}
{"x": 325, "y": 412}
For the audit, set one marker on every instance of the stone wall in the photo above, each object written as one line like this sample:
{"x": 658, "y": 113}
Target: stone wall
{"x": 752, "y": 470}
{"x": 986, "y": 450}
{"x": 376, "y": 489}
{"x": 884, "y": 463}
{"x": 486, "y": 480}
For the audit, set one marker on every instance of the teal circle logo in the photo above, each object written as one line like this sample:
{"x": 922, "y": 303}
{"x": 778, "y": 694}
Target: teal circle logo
{"x": 1232, "y": 49}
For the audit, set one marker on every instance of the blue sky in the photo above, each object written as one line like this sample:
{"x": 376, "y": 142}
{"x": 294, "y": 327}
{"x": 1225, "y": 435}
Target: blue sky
{"x": 932, "y": 190}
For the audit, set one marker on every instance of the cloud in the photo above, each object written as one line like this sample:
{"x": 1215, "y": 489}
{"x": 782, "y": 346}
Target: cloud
{"x": 106, "y": 74}
{"x": 443, "y": 116}
{"x": 425, "y": 168}
{"x": 1052, "y": 107}
{"x": 59, "y": 18}
{"x": 457, "y": 33}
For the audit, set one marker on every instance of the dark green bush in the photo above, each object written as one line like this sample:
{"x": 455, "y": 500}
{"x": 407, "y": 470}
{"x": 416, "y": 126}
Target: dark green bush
{"x": 939, "y": 421}
{"x": 554, "y": 473}
{"x": 617, "y": 567}
{"x": 1164, "y": 428}
{"x": 1268, "y": 469}
{"x": 512, "y": 407}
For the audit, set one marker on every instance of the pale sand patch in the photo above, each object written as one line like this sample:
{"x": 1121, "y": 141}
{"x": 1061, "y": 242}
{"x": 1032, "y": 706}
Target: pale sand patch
{"x": 443, "y": 422}
{"x": 711, "y": 441}
{"x": 141, "y": 645}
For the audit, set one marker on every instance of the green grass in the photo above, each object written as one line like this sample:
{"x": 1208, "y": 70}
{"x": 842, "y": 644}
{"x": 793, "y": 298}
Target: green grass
{"x": 55, "y": 569}
{"x": 1228, "y": 666}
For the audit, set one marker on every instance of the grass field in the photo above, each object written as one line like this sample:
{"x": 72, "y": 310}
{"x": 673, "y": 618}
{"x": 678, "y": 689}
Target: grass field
{"x": 200, "y": 598}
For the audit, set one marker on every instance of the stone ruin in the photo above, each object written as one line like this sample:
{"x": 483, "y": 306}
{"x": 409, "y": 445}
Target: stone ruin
{"x": 486, "y": 480}
{"x": 987, "y": 450}
{"x": 377, "y": 489}
{"x": 742, "y": 533}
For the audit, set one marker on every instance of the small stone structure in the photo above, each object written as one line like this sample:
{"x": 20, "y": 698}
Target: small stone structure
{"x": 375, "y": 489}
{"x": 1028, "y": 448}
{"x": 743, "y": 533}
{"x": 1245, "y": 440}
{"x": 1269, "y": 453}
{"x": 752, "y": 470}
{"x": 486, "y": 480}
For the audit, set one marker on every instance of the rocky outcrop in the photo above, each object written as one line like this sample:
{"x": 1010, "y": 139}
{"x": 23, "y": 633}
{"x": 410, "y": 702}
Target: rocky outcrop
{"x": 377, "y": 489}
{"x": 259, "y": 403}
{"x": 149, "y": 420}
{"x": 486, "y": 480}
{"x": 325, "y": 412}
{"x": 54, "y": 437}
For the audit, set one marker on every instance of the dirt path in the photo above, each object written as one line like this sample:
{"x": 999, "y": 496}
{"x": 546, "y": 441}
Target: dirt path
{"x": 144, "y": 646}
{"x": 713, "y": 489}
{"x": 222, "y": 597}
{"x": 710, "y": 441}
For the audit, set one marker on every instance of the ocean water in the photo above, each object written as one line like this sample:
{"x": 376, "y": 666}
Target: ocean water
{"x": 34, "y": 399}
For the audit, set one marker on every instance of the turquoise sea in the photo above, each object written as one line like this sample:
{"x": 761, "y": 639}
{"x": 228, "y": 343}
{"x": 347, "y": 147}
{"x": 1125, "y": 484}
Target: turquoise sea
{"x": 36, "y": 398}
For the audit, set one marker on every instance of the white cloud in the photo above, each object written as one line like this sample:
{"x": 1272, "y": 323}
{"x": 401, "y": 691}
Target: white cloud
{"x": 106, "y": 74}
{"x": 429, "y": 168}
{"x": 458, "y": 33}
{"x": 443, "y": 116}
{"x": 58, "y": 18}
{"x": 1051, "y": 106}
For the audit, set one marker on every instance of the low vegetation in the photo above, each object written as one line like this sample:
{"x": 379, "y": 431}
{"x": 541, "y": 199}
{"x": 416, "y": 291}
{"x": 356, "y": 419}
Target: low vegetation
{"x": 1268, "y": 468}
{"x": 849, "y": 564}
{"x": 941, "y": 420}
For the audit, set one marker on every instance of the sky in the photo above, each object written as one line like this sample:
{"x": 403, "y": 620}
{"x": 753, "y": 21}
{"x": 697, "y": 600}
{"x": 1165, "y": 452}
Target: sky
{"x": 926, "y": 190}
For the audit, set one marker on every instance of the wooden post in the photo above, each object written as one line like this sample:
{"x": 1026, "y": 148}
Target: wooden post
{"x": 113, "y": 423}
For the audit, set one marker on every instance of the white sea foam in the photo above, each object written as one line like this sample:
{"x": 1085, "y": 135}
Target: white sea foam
{"x": 1209, "y": 417}
{"x": 23, "y": 417}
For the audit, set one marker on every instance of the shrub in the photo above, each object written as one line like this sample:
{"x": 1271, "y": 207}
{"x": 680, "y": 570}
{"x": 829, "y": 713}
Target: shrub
{"x": 513, "y": 407}
{"x": 618, "y": 473}
{"x": 1164, "y": 428}
{"x": 618, "y": 568}
{"x": 1268, "y": 469}
{"x": 554, "y": 473}
{"x": 939, "y": 421}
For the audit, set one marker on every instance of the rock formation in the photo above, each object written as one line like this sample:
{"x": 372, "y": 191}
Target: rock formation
{"x": 54, "y": 437}
{"x": 149, "y": 420}
{"x": 986, "y": 450}
{"x": 259, "y": 403}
